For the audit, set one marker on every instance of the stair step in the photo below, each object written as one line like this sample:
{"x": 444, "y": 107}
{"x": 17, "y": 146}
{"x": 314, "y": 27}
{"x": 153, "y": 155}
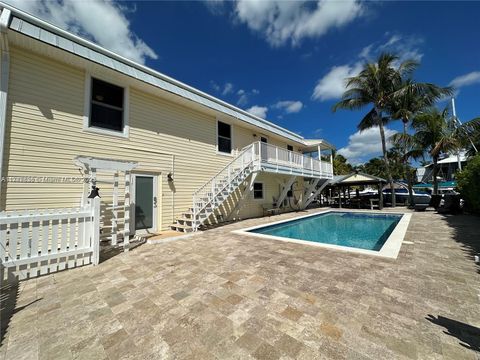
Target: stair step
{"x": 181, "y": 227}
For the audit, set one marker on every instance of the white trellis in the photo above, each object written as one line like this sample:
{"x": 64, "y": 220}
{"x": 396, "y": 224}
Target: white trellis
{"x": 92, "y": 166}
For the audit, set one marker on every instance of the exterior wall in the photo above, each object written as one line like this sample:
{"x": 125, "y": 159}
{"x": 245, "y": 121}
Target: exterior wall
{"x": 272, "y": 187}
{"x": 45, "y": 132}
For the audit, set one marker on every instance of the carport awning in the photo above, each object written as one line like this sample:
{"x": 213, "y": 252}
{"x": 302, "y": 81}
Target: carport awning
{"x": 356, "y": 179}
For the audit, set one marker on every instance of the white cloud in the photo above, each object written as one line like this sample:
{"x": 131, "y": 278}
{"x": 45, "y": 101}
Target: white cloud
{"x": 281, "y": 22}
{"x": 333, "y": 84}
{"x": 227, "y": 89}
{"x": 317, "y": 133}
{"x": 364, "y": 145}
{"x": 244, "y": 96}
{"x": 104, "y": 22}
{"x": 406, "y": 47}
{"x": 289, "y": 106}
{"x": 260, "y": 111}
{"x": 466, "y": 80}
{"x": 214, "y": 86}
{"x": 366, "y": 51}
{"x": 216, "y": 7}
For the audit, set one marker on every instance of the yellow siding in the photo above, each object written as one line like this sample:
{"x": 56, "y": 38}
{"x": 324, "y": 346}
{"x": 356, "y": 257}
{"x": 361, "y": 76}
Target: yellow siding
{"x": 271, "y": 189}
{"x": 45, "y": 133}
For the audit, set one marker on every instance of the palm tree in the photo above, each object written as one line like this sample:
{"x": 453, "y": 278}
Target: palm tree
{"x": 341, "y": 166}
{"x": 437, "y": 133}
{"x": 411, "y": 98}
{"x": 377, "y": 85}
{"x": 411, "y": 151}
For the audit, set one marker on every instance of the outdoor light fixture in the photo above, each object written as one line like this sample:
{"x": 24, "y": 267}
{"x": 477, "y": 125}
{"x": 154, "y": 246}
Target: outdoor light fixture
{"x": 94, "y": 192}
{"x": 169, "y": 177}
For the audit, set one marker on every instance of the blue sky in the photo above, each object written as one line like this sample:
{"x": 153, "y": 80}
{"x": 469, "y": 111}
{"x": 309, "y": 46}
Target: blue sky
{"x": 287, "y": 60}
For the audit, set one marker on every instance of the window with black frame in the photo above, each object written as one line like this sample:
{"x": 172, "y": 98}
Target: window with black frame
{"x": 106, "y": 106}
{"x": 258, "y": 190}
{"x": 224, "y": 137}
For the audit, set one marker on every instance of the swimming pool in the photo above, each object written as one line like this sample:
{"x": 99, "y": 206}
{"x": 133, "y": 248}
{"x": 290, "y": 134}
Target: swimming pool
{"x": 365, "y": 232}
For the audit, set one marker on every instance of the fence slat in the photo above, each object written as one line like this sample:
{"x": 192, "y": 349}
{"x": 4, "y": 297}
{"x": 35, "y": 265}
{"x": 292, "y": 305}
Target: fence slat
{"x": 45, "y": 241}
{"x": 3, "y": 241}
{"x": 12, "y": 242}
{"x": 81, "y": 239}
{"x": 54, "y": 246}
{"x": 64, "y": 238}
{"x": 25, "y": 244}
{"x": 63, "y": 243}
{"x": 71, "y": 241}
{"x": 45, "y": 233}
{"x": 35, "y": 238}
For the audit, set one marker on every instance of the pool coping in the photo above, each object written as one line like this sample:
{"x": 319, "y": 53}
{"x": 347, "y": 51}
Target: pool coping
{"x": 390, "y": 248}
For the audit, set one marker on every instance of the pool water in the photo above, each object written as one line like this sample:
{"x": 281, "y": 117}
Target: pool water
{"x": 356, "y": 230}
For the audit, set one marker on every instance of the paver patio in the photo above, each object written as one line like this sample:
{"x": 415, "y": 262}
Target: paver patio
{"x": 228, "y": 296}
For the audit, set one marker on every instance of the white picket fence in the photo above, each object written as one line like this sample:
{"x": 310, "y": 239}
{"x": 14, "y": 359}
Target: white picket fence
{"x": 39, "y": 242}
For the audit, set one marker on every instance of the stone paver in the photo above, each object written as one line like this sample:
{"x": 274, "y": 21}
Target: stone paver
{"x": 219, "y": 295}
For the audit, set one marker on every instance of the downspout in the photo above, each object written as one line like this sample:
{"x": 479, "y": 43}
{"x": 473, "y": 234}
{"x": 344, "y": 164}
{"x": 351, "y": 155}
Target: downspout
{"x": 4, "y": 74}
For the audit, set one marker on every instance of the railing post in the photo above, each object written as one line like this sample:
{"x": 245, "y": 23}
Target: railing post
{"x": 276, "y": 156}
{"x": 260, "y": 151}
{"x": 194, "y": 214}
{"x": 311, "y": 164}
{"x": 95, "y": 231}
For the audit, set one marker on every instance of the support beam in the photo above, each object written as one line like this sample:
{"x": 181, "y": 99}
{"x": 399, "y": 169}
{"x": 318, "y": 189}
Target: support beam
{"x": 380, "y": 196}
{"x": 245, "y": 195}
{"x": 314, "y": 195}
{"x": 285, "y": 190}
{"x": 310, "y": 189}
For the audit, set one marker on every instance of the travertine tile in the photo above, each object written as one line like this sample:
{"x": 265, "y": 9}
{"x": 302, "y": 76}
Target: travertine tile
{"x": 219, "y": 295}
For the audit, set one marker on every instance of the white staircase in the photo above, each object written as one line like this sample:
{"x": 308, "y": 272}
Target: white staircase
{"x": 255, "y": 157}
{"x": 211, "y": 195}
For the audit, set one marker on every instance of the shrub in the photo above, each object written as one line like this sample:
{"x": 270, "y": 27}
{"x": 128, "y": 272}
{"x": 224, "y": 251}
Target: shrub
{"x": 468, "y": 181}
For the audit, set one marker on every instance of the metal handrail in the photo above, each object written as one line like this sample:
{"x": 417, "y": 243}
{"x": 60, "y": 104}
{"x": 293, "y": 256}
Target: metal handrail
{"x": 246, "y": 148}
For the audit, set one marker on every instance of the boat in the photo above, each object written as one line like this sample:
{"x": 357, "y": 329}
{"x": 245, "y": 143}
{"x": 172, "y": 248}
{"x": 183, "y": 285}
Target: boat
{"x": 401, "y": 195}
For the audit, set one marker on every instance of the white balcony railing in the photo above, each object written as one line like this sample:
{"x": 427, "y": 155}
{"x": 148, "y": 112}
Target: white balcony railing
{"x": 274, "y": 158}
{"x": 257, "y": 156}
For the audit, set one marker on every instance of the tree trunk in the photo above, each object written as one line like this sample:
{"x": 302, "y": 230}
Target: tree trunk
{"x": 385, "y": 157}
{"x": 407, "y": 173}
{"x": 435, "y": 173}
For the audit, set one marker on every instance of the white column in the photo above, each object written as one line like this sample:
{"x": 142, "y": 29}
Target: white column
{"x": 126, "y": 226}
{"x": 115, "y": 209}
{"x": 96, "y": 231}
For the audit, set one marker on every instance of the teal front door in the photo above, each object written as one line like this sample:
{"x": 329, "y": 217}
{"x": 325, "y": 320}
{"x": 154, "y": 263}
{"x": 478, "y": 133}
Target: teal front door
{"x": 145, "y": 203}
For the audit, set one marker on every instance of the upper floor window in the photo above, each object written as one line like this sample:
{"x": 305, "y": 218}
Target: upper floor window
{"x": 106, "y": 106}
{"x": 289, "y": 147}
{"x": 224, "y": 141}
